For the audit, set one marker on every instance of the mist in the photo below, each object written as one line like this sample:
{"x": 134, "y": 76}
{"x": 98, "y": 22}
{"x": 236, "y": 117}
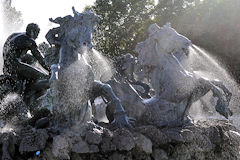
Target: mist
{"x": 215, "y": 26}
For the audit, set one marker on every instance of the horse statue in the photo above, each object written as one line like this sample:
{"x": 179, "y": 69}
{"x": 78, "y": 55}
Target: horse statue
{"x": 72, "y": 79}
{"x": 176, "y": 89}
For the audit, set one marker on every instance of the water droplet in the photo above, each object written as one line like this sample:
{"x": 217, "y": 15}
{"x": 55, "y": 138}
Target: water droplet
{"x": 37, "y": 153}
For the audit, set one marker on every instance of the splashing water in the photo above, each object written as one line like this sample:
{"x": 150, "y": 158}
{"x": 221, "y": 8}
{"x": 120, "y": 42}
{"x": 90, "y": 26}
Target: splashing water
{"x": 12, "y": 109}
{"x": 7, "y": 128}
{"x": 73, "y": 91}
{"x": 206, "y": 66}
{"x": 102, "y": 67}
{"x": 12, "y": 104}
{"x": 76, "y": 83}
{"x": 203, "y": 62}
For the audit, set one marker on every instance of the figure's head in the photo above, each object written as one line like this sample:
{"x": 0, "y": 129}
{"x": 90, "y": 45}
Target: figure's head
{"x": 125, "y": 64}
{"x": 32, "y": 30}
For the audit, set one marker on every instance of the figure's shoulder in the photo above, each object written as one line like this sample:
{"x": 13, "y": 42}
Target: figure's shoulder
{"x": 26, "y": 40}
{"x": 32, "y": 43}
{"x": 13, "y": 36}
{"x": 24, "y": 36}
{"x": 19, "y": 37}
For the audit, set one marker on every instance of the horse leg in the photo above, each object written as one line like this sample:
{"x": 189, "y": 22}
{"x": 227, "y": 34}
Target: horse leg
{"x": 203, "y": 87}
{"x": 120, "y": 117}
{"x": 226, "y": 91}
{"x": 197, "y": 93}
{"x": 222, "y": 103}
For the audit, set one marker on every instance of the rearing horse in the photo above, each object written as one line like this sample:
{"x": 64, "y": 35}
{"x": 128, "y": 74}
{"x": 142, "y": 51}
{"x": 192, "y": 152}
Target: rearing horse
{"x": 73, "y": 78}
{"x": 169, "y": 78}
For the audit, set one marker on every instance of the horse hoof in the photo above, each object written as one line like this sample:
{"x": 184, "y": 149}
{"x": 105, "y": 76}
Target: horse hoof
{"x": 42, "y": 123}
{"x": 188, "y": 121}
{"x": 222, "y": 109}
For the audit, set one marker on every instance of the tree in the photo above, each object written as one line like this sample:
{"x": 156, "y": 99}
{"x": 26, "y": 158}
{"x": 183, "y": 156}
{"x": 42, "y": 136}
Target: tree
{"x": 123, "y": 23}
{"x": 168, "y": 10}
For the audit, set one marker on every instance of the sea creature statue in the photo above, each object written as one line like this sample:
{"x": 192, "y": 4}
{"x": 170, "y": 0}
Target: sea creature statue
{"x": 175, "y": 88}
{"x": 72, "y": 80}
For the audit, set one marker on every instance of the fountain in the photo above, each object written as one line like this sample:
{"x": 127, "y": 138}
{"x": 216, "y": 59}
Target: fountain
{"x": 158, "y": 89}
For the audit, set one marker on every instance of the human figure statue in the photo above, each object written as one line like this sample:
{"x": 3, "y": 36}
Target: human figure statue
{"x": 126, "y": 67}
{"x": 17, "y": 60}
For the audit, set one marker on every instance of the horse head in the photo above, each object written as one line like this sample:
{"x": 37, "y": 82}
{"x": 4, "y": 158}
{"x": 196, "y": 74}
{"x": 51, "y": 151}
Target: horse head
{"x": 74, "y": 34}
{"x": 78, "y": 29}
{"x": 161, "y": 40}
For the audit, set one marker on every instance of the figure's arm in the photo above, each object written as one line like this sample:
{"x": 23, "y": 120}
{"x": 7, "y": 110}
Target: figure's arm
{"x": 38, "y": 56}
